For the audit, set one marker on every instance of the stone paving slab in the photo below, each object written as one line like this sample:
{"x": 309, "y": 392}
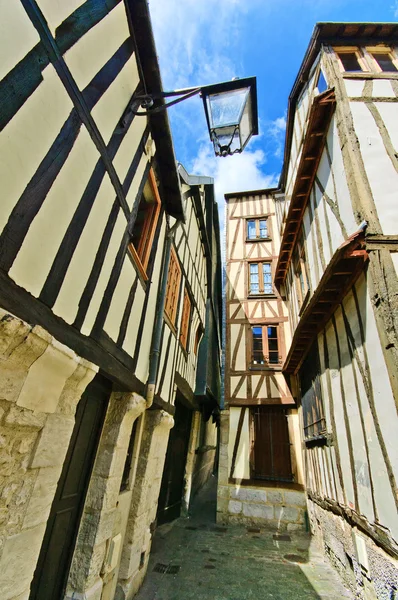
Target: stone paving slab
{"x": 193, "y": 558}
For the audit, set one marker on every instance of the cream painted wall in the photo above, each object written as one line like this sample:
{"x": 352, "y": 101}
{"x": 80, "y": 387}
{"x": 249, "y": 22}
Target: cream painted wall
{"x": 78, "y": 272}
{"x": 119, "y": 299}
{"x": 17, "y": 35}
{"x": 114, "y": 101}
{"x": 41, "y": 243}
{"x": 26, "y": 139}
{"x": 95, "y": 48}
{"x": 242, "y": 465}
{"x": 56, "y": 11}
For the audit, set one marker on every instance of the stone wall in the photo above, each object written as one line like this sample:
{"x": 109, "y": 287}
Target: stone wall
{"x": 275, "y": 508}
{"x": 41, "y": 382}
{"x": 100, "y": 523}
{"x": 364, "y": 567}
{"x": 144, "y": 503}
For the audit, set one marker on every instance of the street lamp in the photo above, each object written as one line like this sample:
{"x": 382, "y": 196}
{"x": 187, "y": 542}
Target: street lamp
{"x": 230, "y": 108}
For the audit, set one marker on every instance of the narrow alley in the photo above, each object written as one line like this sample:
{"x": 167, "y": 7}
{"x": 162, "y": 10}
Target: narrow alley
{"x": 194, "y": 558}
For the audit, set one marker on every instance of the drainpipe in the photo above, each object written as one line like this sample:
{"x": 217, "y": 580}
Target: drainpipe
{"x": 157, "y": 328}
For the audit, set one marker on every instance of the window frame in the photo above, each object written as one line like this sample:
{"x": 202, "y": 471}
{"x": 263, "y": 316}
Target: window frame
{"x": 372, "y": 50}
{"x": 141, "y": 254}
{"x": 171, "y": 316}
{"x": 261, "y": 291}
{"x": 364, "y": 67}
{"x": 264, "y": 338}
{"x": 312, "y": 398}
{"x": 257, "y": 220}
{"x": 185, "y": 326}
{"x": 300, "y": 266}
{"x": 198, "y": 337}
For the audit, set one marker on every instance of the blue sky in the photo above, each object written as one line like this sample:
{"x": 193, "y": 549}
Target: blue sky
{"x": 207, "y": 41}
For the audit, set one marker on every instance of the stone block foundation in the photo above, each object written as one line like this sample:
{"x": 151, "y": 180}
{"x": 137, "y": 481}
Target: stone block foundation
{"x": 278, "y": 509}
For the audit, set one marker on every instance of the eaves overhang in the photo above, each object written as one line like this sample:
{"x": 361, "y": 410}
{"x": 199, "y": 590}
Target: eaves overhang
{"x": 318, "y": 124}
{"x": 147, "y": 60}
{"x": 340, "y": 275}
{"x": 346, "y": 34}
{"x": 261, "y": 192}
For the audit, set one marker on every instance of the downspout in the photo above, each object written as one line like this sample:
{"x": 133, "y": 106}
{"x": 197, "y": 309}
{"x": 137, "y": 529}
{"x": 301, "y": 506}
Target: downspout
{"x": 157, "y": 328}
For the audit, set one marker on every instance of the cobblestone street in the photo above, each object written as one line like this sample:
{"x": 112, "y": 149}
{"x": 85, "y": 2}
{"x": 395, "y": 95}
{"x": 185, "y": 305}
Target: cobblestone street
{"x": 193, "y": 558}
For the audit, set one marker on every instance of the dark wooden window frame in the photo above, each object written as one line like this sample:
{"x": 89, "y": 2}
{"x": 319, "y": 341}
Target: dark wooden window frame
{"x": 173, "y": 290}
{"x": 314, "y": 421}
{"x": 257, "y": 220}
{"x": 266, "y": 364}
{"x": 140, "y": 252}
{"x": 261, "y": 292}
{"x": 186, "y": 318}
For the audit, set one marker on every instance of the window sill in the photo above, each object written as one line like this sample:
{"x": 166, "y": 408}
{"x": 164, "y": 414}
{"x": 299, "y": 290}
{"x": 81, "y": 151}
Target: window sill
{"x": 322, "y": 439}
{"x": 262, "y": 295}
{"x": 277, "y": 367}
{"x": 368, "y": 75}
{"x": 254, "y": 240}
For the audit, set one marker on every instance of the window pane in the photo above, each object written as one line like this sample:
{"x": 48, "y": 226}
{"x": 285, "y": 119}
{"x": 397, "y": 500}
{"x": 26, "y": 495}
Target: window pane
{"x": 267, "y": 278}
{"x": 263, "y": 229}
{"x": 322, "y": 85}
{"x": 258, "y": 355}
{"x": 385, "y": 62}
{"x": 254, "y": 280}
{"x": 251, "y": 230}
{"x": 350, "y": 61}
{"x": 273, "y": 350}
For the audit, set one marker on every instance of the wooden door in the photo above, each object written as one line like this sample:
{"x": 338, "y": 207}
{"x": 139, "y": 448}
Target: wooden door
{"x": 271, "y": 444}
{"x": 172, "y": 486}
{"x": 59, "y": 540}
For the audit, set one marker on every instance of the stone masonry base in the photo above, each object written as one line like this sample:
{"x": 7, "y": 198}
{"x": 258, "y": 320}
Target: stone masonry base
{"x": 274, "y": 508}
{"x": 364, "y": 567}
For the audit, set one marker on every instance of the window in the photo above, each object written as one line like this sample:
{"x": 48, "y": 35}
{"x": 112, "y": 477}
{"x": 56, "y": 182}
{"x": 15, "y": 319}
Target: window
{"x": 350, "y": 59}
{"x": 265, "y": 345}
{"x": 173, "y": 288}
{"x": 321, "y": 83}
{"x": 257, "y": 229}
{"x": 384, "y": 59}
{"x": 144, "y": 227}
{"x": 311, "y": 396}
{"x": 301, "y": 273}
{"x": 260, "y": 278}
{"x": 185, "y": 320}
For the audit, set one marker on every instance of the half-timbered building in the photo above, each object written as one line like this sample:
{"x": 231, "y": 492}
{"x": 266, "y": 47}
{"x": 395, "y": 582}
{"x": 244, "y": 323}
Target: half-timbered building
{"x": 260, "y": 473}
{"x": 109, "y": 300}
{"x": 337, "y": 214}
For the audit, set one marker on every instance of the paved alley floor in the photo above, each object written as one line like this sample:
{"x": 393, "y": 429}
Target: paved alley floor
{"x": 193, "y": 558}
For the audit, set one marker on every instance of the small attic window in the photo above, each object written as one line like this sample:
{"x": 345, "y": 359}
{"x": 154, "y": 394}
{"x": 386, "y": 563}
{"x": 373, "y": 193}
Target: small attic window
{"x": 350, "y": 61}
{"x": 384, "y": 61}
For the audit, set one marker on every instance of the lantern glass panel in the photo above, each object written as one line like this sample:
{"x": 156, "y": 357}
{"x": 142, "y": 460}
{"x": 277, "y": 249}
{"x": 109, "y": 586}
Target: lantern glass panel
{"x": 222, "y": 138}
{"x": 246, "y": 126}
{"x": 226, "y": 108}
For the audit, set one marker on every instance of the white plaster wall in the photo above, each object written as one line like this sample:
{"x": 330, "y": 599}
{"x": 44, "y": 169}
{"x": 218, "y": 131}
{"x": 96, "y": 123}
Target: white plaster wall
{"x": 56, "y": 11}
{"x": 241, "y": 350}
{"x": 383, "y": 177}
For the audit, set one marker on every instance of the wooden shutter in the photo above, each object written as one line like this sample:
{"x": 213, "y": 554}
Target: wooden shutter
{"x": 173, "y": 287}
{"x": 186, "y": 314}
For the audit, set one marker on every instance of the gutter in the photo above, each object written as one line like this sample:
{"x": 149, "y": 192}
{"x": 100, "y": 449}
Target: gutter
{"x": 154, "y": 355}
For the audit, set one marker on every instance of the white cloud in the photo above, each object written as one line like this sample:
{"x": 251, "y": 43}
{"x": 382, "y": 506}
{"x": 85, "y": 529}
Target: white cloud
{"x": 276, "y": 132}
{"x": 237, "y": 173}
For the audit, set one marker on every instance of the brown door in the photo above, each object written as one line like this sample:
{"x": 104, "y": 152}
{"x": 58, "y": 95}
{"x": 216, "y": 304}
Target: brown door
{"x": 172, "y": 486}
{"x": 271, "y": 444}
{"x": 59, "y": 540}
